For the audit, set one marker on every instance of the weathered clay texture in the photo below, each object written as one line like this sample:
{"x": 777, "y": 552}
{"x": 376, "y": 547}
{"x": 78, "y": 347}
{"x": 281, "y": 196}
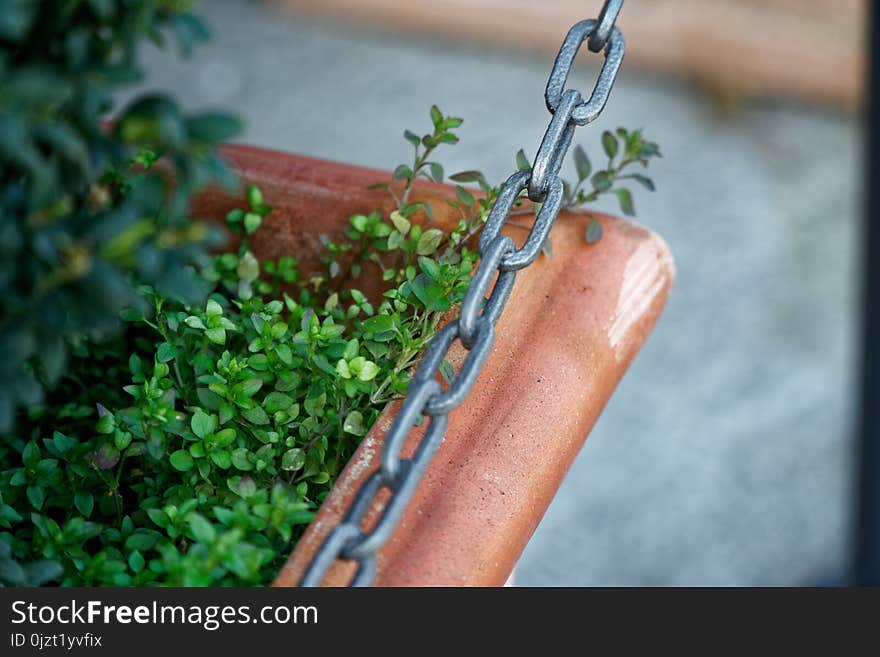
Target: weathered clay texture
{"x": 572, "y": 326}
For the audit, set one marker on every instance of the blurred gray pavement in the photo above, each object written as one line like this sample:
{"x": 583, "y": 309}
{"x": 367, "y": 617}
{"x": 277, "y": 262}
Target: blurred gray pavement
{"x": 724, "y": 458}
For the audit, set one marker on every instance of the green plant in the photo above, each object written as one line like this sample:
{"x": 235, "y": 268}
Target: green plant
{"x": 623, "y": 149}
{"x": 194, "y": 448}
{"x": 73, "y": 244}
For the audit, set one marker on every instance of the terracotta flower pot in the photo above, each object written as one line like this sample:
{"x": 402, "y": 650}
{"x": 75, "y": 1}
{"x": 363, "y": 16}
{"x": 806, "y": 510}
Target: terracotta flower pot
{"x": 572, "y": 326}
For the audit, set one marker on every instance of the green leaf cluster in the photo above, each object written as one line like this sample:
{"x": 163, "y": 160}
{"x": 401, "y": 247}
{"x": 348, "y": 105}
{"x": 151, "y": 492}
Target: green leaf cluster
{"x": 623, "y": 149}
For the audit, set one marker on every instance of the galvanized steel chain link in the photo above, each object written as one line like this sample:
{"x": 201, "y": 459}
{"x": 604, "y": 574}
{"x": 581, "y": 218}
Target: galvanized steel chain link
{"x": 475, "y": 326}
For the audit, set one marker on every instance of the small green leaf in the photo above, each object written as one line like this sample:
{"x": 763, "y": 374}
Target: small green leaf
{"x": 213, "y": 309}
{"x": 36, "y": 495}
{"x": 201, "y": 527}
{"x": 225, "y": 436}
{"x": 11, "y": 572}
{"x": 447, "y": 371}
{"x": 648, "y": 150}
{"x": 368, "y": 371}
{"x": 602, "y": 181}
{"x": 131, "y": 315}
{"x": 402, "y": 172}
{"x": 582, "y": 163}
{"x": 351, "y": 349}
{"x": 522, "y": 162}
{"x": 314, "y": 406}
{"x": 221, "y": 459}
{"x": 430, "y": 293}
{"x": 166, "y": 352}
{"x": 255, "y": 197}
{"x": 241, "y": 461}
{"x": 464, "y": 196}
{"x": 63, "y": 443}
{"x": 277, "y": 401}
{"x": 342, "y": 369}
{"x": 216, "y": 335}
{"x": 142, "y": 540}
{"x": 212, "y": 127}
{"x": 226, "y": 413}
{"x": 159, "y": 517}
{"x": 202, "y": 424}
{"x": 395, "y": 241}
{"x": 429, "y": 241}
{"x": 626, "y": 202}
{"x": 244, "y": 486}
{"x": 429, "y": 210}
{"x": 250, "y": 387}
{"x": 252, "y": 221}
{"x": 609, "y": 144}
{"x": 436, "y": 171}
{"x": 594, "y": 231}
{"x": 644, "y": 181}
{"x": 106, "y": 424}
{"x": 354, "y": 424}
{"x": 121, "y": 440}
{"x": 430, "y": 267}
{"x": 359, "y": 222}
{"x": 400, "y": 222}
{"x": 255, "y": 415}
{"x": 181, "y": 460}
{"x": 412, "y": 138}
{"x": 378, "y": 324}
{"x": 436, "y": 116}
{"x": 30, "y": 454}
{"x": 84, "y": 502}
{"x": 284, "y": 353}
{"x": 44, "y": 570}
{"x": 293, "y": 459}
{"x": 136, "y": 366}
{"x": 248, "y": 268}
{"x": 467, "y": 177}
{"x": 106, "y": 456}
{"x": 136, "y": 561}
{"x": 8, "y": 515}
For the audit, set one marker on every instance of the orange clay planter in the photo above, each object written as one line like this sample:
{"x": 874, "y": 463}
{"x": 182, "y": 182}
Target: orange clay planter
{"x": 572, "y": 326}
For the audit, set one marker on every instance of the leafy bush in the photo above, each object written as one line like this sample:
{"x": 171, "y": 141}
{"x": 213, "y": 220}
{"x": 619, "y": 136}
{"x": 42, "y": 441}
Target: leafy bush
{"x": 73, "y": 246}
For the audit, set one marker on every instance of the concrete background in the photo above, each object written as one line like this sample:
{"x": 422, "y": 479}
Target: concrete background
{"x": 725, "y": 456}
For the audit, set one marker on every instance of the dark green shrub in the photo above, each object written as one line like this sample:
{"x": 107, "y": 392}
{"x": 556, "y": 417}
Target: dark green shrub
{"x": 73, "y": 245}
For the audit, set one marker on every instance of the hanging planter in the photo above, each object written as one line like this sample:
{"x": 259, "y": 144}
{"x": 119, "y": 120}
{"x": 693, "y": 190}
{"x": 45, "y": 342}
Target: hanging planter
{"x": 573, "y": 324}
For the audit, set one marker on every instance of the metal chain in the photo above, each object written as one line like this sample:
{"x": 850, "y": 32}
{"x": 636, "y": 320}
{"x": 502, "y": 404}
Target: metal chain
{"x": 475, "y": 326}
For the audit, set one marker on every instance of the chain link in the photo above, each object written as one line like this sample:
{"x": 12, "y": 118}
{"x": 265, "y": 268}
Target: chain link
{"x": 586, "y": 111}
{"x": 426, "y": 400}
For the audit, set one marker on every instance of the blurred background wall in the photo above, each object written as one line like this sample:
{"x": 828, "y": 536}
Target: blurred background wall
{"x": 725, "y": 456}
{"x": 804, "y": 49}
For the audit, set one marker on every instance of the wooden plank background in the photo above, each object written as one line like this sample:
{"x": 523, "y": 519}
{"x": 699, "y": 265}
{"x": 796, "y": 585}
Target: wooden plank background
{"x": 807, "y": 50}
